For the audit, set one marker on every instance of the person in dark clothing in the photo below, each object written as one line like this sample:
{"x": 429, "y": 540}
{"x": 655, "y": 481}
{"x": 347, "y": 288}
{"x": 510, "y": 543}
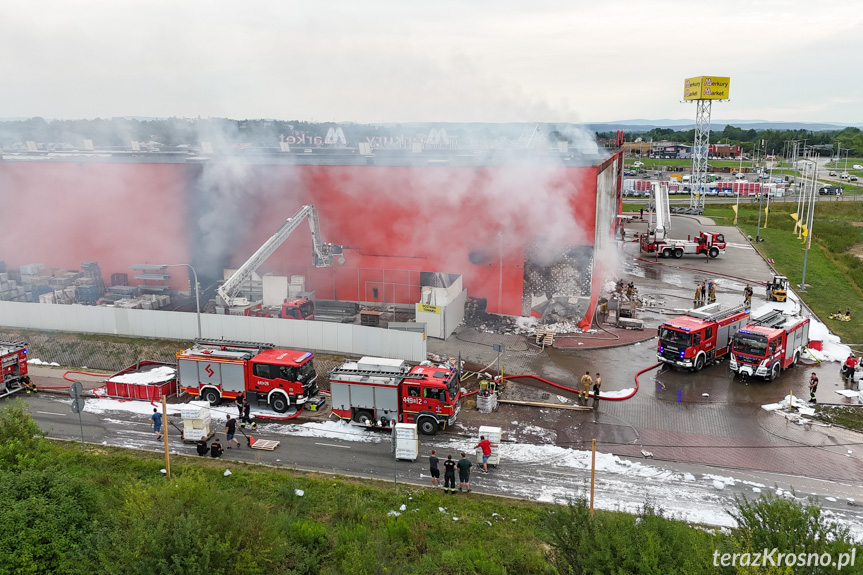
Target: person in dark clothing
{"x": 464, "y": 466}
{"x": 202, "y": 447}
{"x": 28, "y": 385}
{"x": 230, "y": 430}
{"x": 813, "y": 387}
{"x": 433, "y": 468}
{"x": 704, "y": 292}
{"x": 245, "y": 416}
{"x": 216, "y": 449}
{"x": 449, "y": 475}
{"x": 157, "y": 423}
{"x": 239, "y": 401}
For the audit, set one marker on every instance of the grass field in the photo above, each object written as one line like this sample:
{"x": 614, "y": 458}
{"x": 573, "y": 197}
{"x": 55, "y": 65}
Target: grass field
{"x": 834, "y": 277}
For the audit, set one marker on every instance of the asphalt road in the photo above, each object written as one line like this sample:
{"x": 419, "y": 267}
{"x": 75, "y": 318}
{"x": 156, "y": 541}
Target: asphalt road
{"x": 683, "y": 489}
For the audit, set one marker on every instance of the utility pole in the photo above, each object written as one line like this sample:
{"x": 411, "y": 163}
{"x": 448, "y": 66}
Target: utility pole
{"x": 165, "y": 432}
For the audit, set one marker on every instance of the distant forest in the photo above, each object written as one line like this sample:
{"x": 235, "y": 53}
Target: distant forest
{"x": 172, "y": 132}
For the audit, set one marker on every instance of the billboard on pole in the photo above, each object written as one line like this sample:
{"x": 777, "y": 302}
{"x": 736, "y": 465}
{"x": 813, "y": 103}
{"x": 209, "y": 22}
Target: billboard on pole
{"x": 706, "y": 88}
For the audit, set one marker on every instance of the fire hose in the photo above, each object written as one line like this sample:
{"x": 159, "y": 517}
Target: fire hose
{"x": 569, "y": 389}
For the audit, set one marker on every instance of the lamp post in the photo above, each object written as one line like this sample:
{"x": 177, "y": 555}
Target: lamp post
{"x": 162, "y": 267}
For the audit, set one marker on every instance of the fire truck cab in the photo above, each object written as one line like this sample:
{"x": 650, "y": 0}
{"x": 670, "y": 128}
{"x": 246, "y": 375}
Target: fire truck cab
{"x": 221, "y": 369}
{"x": 13, "y": 366}
{"x": 701, "y": 336}
{"x": 380, "y": 392}
{"x": 769, "y": 344}
{"x": 300, "y": 308}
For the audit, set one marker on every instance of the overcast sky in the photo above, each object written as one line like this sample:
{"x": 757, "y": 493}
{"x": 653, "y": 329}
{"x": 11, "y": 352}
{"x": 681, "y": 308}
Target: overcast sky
{"x": 440, "y": 60}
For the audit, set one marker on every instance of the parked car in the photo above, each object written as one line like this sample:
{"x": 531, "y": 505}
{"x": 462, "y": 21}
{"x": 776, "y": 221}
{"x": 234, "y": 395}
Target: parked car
{"x": 832, "y": 174}
{"x": 857, "y": 167}
{"x": 829, "y": 191}
{"x": 843, "y": 176}
{"x": 726, "y": 193}
{"x": 852, "y": 178}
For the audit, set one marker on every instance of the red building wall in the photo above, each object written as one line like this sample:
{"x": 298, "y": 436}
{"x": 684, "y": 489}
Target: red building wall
{"x": 395, "y": 221}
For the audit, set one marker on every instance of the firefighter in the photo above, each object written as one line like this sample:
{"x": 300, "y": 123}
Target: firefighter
{"x": 747, "y": 296}
{"x": 630, "y": 289}
{"x": 697, "y": 301}
{"x": 813, "y": 387}
{"x": 202, "y": 447}
{"x": 586, "y": 384}
{"x": 28, "y": 385}
{"x": 711, "y": 292}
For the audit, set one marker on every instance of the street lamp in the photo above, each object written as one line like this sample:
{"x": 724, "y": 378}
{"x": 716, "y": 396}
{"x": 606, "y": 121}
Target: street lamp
{"x": 163, "y": 267}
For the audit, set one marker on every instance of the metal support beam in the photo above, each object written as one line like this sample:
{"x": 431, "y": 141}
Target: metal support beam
{"x": 699, "y": 154}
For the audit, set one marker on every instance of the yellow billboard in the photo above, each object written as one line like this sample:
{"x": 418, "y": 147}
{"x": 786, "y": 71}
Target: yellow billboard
{"x": 706, "y": 88}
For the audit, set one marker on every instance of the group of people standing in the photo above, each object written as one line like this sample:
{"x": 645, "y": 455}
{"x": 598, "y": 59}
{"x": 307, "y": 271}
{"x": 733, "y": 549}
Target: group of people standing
{"x": 463, "y": 466}
{"x": 705, "y": 293}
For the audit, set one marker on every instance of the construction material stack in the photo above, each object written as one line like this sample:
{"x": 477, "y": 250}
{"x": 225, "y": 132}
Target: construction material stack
{"x": 701, "y": 336}
{"x": 406, "y": 441}
{"x": 196, "y": 421}
{"x": 769, "y": 344}
{"x": 380, "y": 392}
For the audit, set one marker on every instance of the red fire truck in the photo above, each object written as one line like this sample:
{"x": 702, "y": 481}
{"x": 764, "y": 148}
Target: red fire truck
{"x": 217, "y": 369}
{"x": 380, "y": 392}
{"x": 705, "y": 242}
{"x": 299, "y": 308}
{"x": 769, "y": 344}
{"x": 701, "y": 336}
{"x": 13, "y": 366}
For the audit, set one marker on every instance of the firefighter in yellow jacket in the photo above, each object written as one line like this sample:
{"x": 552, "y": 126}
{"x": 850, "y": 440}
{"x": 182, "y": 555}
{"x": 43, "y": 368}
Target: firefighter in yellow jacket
{"x": 586, "y": 384}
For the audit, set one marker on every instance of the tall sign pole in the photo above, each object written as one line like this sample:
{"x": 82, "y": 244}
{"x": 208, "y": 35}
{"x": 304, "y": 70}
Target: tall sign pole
{"x": 165, "y": 435}
{"x": 702, "y": 90}
{"x": 75, "y": 391}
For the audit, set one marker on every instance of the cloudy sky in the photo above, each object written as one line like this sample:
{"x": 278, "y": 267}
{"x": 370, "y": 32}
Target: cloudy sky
{"x": 444, "y": 60}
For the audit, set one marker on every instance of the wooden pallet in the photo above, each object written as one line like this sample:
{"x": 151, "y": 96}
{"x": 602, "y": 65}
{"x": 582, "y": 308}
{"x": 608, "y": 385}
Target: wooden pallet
{"x": 267, "y": 444}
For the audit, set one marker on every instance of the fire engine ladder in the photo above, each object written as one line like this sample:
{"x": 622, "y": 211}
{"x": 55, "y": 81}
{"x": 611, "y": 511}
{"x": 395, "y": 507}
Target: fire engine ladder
{"x": 714, "y": 312}
{"x": 233, "y": 344}
{"x": 772, "y": 319}
{"x": 323, "y": 253}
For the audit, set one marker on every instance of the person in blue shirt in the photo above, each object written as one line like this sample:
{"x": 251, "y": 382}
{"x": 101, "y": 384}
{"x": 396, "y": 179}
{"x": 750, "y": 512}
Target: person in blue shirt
{"x": 157, "y": 423}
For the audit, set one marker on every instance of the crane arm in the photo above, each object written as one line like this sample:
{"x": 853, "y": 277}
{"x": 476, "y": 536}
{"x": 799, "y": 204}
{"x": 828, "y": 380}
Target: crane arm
{"x": 322, "y": 252}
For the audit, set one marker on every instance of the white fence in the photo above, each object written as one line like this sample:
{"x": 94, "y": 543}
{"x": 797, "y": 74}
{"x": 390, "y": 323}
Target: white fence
{"x": 306, "y": 335}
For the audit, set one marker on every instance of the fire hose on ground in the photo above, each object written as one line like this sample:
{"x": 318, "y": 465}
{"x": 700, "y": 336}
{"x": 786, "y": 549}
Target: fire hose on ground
{"x": 571, "y": 390}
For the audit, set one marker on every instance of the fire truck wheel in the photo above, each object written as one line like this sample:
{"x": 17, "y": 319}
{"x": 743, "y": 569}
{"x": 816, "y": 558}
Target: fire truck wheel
{"x": 796, "y": 359}
{"x": 774, "y": 371}
{"x": 678, "y": 253}
{"x": 364, "y": 418}
{"x": 211, "y": 396}
{"x": 666, "y": 253}
{"x": 714, "y": 253}
{"x": 699, "y": 362}
{"x": 279, "y": 403}
{"x": 427, "y": 425}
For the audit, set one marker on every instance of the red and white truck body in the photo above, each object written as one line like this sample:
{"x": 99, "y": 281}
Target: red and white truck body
{"x": 704, "y": 243}
{"x": 13, "y": 366}
{"x": 221, "y": 369}
{"x": 380, "y": 392}
{"x": 701, "y": 336}
{"x": 769, "y": 344}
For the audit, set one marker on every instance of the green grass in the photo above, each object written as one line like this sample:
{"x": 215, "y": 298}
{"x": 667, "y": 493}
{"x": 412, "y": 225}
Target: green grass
{"x": 847, "y": 417}
{"x": 69, "y": 510}
{"x": 834, "y": 278}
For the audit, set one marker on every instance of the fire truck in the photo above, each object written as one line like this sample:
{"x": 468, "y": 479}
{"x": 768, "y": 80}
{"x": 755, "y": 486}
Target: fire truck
{"x": 769, "y": 344}
{"x": 701, "y": 336}
{"x": 380, "y": 392}
{"x": 656, "y": 239}
{"x": 299, "y": 308}
{"x": 13, "y": 366}
{"x": 217, "y": 369}
{"x": 704, "y": 243}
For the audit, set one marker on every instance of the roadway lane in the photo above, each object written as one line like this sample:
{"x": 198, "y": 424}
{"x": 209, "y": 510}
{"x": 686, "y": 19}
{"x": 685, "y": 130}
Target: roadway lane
{"x": 532, "y": 472}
